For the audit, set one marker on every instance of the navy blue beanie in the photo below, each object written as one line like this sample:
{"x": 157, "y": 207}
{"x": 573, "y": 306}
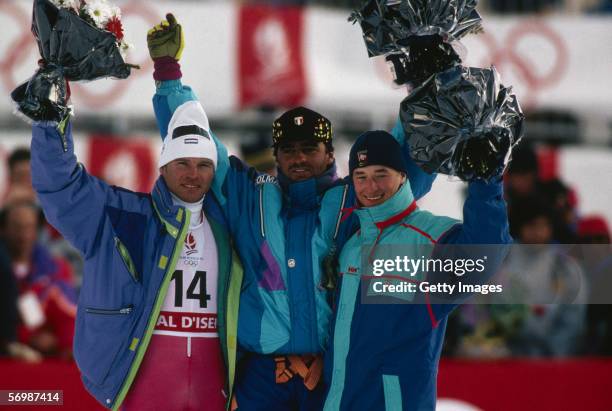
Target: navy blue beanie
{"x": 376, "y": 148}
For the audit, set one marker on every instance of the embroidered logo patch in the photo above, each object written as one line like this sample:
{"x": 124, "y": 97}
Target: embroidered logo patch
{"x": 265, "y": 178}
{"x": 362, "y": 157}
{"x": 299, "y": 120}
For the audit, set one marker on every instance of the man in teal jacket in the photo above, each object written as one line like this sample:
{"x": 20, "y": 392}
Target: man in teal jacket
{"x": 284, "y": 231}
{"x": 384, "y": 354}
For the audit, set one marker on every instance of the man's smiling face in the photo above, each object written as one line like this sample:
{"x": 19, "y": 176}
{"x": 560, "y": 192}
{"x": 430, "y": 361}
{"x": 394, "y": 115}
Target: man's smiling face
{"x": 302, "y": 160}
{"x": 188, "y": 178}
{"x": 376, "y": 184}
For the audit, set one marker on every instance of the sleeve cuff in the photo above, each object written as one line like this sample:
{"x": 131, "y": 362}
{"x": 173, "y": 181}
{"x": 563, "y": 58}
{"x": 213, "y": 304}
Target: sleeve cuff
{"x": 166, "y": 68}
{"x": 166, "y": 87}
{"x": 479, "y": 188}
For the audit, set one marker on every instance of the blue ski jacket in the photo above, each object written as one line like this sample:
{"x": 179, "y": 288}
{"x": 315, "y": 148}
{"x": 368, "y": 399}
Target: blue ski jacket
{"x": 130, "y": 243}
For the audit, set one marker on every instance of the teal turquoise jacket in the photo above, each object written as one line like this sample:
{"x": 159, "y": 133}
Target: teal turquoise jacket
{"x": 130, "y": 243}
{"x": 384, "y": 356}
{"x": 283, "y": 232}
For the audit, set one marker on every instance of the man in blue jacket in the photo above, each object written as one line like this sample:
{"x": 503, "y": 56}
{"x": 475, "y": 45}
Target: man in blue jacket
{"x": 285, "y": 231}
{"x": 157, "y": 313}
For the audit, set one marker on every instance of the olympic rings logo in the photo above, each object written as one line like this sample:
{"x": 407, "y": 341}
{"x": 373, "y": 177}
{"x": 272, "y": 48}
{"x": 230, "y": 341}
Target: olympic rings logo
{"x": 502, "y": 57}
{"x": 509, "y": 56}
{"x": 21, "y": 47}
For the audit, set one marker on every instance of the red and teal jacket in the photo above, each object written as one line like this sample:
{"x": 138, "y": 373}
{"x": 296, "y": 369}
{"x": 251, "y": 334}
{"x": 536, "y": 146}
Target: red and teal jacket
{"x": 384, "y": 355}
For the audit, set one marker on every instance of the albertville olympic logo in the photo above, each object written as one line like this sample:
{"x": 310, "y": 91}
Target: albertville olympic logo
{"x": 191, "y": 244}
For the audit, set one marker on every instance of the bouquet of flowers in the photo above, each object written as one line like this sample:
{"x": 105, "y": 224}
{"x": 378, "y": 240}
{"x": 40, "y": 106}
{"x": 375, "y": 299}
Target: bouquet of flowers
{"x": 77, "y": 40}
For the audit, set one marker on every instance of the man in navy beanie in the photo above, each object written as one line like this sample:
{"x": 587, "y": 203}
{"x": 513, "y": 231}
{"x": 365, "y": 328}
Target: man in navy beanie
{"x": 386, "y": 354}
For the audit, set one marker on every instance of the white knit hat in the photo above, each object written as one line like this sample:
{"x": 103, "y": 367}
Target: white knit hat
{"x": 188, "y": 135}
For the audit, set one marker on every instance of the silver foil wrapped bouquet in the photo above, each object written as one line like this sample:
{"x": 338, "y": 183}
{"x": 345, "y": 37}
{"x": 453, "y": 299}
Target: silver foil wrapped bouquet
{"x": 416, "y": 36}
{"x": 459, "y": 121}
{"x": 462, "y": 122}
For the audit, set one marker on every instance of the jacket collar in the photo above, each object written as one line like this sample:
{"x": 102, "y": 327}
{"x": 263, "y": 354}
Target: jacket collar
{"x": 375, "y": 219}
{"x": 305, "y": 194}
{"x": 171, "y": 215}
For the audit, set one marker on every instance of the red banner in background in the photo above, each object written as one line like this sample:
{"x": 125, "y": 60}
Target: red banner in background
{"x": 463, "y": 385}
{"x": 523, "y": 384}
{"x": 270, "y": 49}
{"x": 125, "y": 162}
{"x": 48, "y": 375}
{"x": 548, "y": 162}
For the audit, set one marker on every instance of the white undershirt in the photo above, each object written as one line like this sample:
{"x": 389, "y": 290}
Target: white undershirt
{"x": 194, "y": 208}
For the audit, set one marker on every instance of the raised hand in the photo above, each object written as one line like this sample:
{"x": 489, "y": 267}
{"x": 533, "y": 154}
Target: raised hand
{"x": 166, "y": 39}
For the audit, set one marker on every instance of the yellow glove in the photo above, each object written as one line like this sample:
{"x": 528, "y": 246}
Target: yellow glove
{"x": 166, "y": 39}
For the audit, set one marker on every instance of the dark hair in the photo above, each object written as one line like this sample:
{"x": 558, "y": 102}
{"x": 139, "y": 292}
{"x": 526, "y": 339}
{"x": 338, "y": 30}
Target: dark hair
{"x": 527, "y": 211}
{"x": 524, "y": 160}
{"x": 18, "y": 155}
{"x": 21, "y": 203}
{"x": 553, "y": 190}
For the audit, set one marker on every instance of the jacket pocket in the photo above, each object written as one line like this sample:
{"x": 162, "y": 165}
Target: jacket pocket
{"x": 392, "y": 392}
{"x": 104, "y": 311}
{"x": 100, "y": 334}
{"x": 127, "y": 260}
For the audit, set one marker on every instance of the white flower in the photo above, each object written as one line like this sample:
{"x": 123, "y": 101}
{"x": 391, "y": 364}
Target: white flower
{"x": 124, "y": 48}
{"x": 99, "y": 11}
{"x": 115, "y": 12}
{"x": 66, "y": 4}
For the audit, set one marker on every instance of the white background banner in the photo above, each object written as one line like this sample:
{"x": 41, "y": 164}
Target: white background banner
{"x": 555, "y": 62}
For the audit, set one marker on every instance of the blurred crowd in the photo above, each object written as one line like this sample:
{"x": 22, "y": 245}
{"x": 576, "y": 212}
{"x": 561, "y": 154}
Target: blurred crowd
{"x": 543, "y": 210}
{"x": 40, "y": 272}
{"x": 38, "y": 285}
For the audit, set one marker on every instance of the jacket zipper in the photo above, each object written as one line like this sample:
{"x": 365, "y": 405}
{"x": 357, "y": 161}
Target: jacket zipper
{"x": 339, "y": 220}
{"x": 125, "y": 310}
{"x": 127, "y": 259}
{"x": 230, "y": 385}
{"x": 261, "y": 214}
{"x": 61, "y": 128}
{"x": 181, "y": 233}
